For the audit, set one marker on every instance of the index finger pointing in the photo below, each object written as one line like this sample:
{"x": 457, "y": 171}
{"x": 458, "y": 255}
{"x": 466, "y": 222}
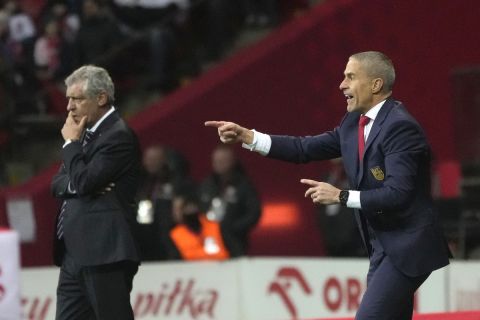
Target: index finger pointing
{"x": 310, "y": 182}
{"x": 215, "y": 124}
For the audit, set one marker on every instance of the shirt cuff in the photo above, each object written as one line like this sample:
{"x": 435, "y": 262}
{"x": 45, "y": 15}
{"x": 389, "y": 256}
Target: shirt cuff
{"x": 261, "y": 143}
{"x": 354, "y": 199}
{"x": 67, "y": 142}
{"x": 70, "y": 189}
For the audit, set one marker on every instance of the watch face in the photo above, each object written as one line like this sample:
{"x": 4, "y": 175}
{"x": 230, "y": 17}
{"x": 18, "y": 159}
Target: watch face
{"x": 343, "y": 197}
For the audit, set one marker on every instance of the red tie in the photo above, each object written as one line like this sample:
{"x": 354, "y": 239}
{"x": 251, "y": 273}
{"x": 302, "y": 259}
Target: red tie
{"x": 362, "y": 122}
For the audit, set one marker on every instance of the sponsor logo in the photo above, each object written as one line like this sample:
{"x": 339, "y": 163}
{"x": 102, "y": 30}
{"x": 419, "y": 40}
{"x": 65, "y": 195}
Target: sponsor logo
{"x": 336, "y": 294}
{"x": 183, "y": 298}
{"x": 284, "y": 280}
{"x": 36, "y": 308}
{"x": 179, "y": 299}
{"x": 333, "y": 295}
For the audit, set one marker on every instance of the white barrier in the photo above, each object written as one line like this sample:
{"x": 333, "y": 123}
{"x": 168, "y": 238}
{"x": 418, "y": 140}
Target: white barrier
{"x": 9, "y": 275}
{"x": 464, "y": 286}
{"x": 313, "y": 288}
{"x": 254, "y": 289}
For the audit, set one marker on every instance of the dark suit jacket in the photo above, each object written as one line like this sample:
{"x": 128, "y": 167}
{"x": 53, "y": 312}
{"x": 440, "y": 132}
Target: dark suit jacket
{"x": 98, "y": 228}
{"x": 394, "y": 181}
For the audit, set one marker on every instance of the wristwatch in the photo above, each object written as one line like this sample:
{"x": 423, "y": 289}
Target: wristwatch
{"x": 343, "y": 197}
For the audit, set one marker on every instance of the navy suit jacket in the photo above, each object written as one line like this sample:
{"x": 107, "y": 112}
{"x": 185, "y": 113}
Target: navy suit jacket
{"x": 99, "y": 227}
{"x": 394, "y": 180}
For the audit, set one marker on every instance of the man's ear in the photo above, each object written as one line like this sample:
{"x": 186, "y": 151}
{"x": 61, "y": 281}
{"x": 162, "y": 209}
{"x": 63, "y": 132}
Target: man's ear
{"x": 102, "y": 99}
{"x": 377, "y": 85}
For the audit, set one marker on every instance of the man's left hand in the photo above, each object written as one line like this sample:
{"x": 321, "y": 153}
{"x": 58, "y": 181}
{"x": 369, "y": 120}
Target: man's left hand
{"x": 321, "y": 192}
{"x": 107, "y": 189}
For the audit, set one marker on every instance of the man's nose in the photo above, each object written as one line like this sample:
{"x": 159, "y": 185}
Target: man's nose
{"x": 70, "y": 105}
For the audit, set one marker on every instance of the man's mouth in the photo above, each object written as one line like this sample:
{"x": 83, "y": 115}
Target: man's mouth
{"x": 348, "y": 97}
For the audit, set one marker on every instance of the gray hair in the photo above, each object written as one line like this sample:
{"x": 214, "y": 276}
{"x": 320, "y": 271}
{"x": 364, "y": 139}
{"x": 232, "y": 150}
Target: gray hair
{"x": 96, "y": 80}
{"x": 377, "y": 65}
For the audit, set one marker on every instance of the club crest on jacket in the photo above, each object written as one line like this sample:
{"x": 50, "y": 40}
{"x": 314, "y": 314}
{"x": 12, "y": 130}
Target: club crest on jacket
{"x": 377, "y": 173}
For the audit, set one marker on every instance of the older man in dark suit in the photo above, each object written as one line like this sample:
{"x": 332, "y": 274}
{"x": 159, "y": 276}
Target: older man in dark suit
{"x": 97, "y": 182}
{"x": 387, "y": 160}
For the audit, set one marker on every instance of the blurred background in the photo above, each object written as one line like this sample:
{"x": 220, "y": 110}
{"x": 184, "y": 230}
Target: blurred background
{"x": 272, "y": 65}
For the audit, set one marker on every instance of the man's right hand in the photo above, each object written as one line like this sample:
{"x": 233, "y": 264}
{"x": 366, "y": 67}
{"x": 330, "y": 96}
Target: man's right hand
{"x": 72, "y": 130}
{"x": 230, "y": 132}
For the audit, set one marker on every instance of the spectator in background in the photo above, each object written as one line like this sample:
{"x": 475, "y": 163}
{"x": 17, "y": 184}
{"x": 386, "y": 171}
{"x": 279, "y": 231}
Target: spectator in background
{"x": 17, "y": 42}
{"x": 216, "y": 23}
{"x": 97, "y": 36}
{"x": 261, "y": 13}
{"x": 7, "y": 71}
{"x": 22, "y": 35}
{"x": 194, "y": 237}
{"x": 68, "y": 23}
{"x": 22, "y": 28}
{"x": 162, "y": 178}
{"x": 339, "y": 230}
{"x": 47, "y": 51}
{"x": 154, "y": 24}
{"x": 227, "y": 196}
{"x": 65, "y": 15}
{"x": 53, "y": 51}
{"x": 157, "y": 182}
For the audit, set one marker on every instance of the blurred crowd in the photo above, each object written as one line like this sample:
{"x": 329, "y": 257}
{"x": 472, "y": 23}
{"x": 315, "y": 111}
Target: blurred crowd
{"x": 150, "y": 44}
{"x": 182, "y": 219}
{"x": 178, "y": 219}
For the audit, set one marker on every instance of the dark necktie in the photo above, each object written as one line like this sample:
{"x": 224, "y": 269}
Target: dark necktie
{"x": 60, "y": 220}
{"x": 87, "y": 137}
{"x": 362, "y": 122}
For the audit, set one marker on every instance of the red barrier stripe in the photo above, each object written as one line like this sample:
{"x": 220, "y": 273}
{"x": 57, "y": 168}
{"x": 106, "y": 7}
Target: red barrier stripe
{"x": 471, "y": 315}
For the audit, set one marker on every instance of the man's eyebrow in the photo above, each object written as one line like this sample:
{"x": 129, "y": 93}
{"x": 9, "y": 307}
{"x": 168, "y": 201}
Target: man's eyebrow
{"x": 75, "y": 97}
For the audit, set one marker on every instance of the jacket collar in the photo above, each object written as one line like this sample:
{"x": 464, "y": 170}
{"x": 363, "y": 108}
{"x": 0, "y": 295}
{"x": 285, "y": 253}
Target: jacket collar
{"x": 106, "y": 123}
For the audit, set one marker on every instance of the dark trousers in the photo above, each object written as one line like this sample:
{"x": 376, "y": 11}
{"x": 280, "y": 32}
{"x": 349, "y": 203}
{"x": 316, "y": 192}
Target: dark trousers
{"x": 96, "y": 293}
{"x": 390, "y": 293}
